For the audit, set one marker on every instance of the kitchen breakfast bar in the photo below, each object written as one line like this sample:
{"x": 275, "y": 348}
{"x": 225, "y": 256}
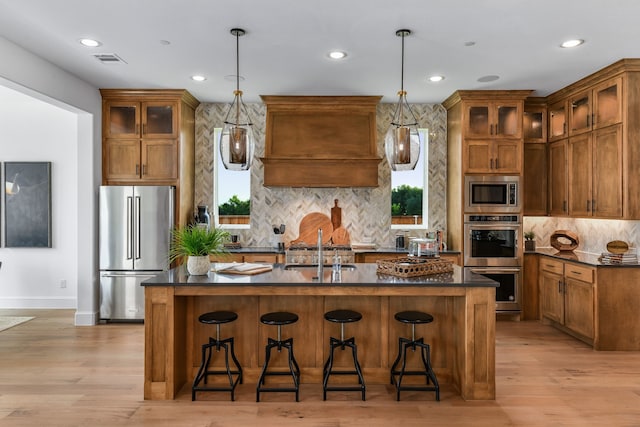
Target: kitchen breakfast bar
{"x": 462, "y": 336}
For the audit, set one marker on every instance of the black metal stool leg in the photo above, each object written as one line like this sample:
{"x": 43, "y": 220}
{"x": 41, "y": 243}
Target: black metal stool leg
{"x": 394, "y": 366}
{"x": 425, "y": 356}
{"x": 204, "y": 372}
{"x": 328, "y": 369}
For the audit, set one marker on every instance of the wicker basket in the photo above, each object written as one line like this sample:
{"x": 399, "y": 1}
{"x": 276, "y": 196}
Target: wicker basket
{"x": 413, "y": 267}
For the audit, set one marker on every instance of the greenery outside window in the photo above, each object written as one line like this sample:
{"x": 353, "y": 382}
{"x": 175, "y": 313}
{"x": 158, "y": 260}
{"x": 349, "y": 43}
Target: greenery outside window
{"x": 409, "y": 191}
{"x": 232, "y": 192}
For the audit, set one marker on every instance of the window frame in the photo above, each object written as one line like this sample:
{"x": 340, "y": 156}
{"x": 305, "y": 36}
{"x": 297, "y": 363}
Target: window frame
{"x": 424, "y": 153}
{"x": 218, "y": 166}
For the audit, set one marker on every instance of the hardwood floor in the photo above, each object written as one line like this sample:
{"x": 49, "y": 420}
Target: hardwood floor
{"x": 55, "y": 374}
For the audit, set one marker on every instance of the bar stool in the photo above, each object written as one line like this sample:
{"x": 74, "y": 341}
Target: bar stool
{"x": 413, "y": 318}
{"x": 342, "y": 317}
{"x": 217, "y": 318}
{"x": 279, "y": 319}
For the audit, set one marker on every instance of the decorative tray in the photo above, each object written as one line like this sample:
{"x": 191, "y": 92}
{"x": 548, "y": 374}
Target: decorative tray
{"x": 414, "y": 266}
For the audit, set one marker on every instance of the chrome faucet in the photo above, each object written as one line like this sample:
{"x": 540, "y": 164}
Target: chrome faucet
{"x": 320, "y": 256}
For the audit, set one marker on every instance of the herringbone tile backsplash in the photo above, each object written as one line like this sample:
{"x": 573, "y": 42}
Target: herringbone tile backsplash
{"x": 365, "y": 211}
{"x": 593, "y": 234}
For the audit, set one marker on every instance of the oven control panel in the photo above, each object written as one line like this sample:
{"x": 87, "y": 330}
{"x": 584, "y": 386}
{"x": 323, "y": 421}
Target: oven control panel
{"x": 515, "y": 219}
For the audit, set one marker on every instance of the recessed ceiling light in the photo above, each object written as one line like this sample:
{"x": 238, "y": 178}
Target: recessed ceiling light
{"x": 90, "y": 42}
{"x": 337, "y": 54}
{"x": 572, "y": 43}
{"x": 489, "y": 78}
{"x": 198, "y": 78}
{"x": 435, "y": 79}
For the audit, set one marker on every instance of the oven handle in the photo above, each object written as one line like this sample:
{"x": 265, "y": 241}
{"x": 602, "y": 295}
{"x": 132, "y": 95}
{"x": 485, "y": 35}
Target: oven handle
{"x": 494, "y": 270}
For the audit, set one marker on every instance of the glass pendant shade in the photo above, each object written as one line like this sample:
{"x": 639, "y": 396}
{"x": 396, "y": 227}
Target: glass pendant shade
{"x": 402, "y": 141}
{"x": 237, "y": 141}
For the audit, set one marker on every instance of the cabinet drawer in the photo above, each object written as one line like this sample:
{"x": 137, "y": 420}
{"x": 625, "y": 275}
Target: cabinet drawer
{"x": 579, "y": 272}
{"x": 264, "y": 258}
{"x": 551, "y": 265}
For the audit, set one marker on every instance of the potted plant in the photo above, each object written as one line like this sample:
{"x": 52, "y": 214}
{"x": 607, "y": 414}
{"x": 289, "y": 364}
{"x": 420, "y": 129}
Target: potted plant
{"x": 529, "y": 241}
{"x": 196, "y": 244}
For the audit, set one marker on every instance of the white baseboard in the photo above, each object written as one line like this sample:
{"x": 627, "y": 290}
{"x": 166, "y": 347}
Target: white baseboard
{"x": 87, "y": 318}
{"x": 16, "y": 302}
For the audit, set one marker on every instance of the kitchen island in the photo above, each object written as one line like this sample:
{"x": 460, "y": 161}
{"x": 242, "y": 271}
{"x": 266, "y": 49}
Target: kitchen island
{"x": 462, "y": 336}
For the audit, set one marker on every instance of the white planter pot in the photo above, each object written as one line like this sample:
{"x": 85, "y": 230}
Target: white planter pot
{"x": 198, "y": 265}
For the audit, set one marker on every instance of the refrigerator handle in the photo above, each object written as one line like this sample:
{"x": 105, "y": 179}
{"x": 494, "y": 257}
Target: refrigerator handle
{"x": 137, "y": 228}
{"x": 129, "y": 226}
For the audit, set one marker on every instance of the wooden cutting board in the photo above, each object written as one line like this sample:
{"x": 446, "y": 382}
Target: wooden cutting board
{"x": 336, "y": 215}
{"x": 340, "y": 236}
{"x": 308, "y": 231}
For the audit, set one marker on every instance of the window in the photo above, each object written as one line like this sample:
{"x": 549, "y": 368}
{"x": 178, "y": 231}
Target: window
{"x": 232, "y": 192}
{"x": 409, "y": 191}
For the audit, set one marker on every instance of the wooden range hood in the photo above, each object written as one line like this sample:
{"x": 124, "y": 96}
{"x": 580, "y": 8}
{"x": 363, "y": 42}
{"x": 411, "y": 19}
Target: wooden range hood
{"x": 321, "y": 141}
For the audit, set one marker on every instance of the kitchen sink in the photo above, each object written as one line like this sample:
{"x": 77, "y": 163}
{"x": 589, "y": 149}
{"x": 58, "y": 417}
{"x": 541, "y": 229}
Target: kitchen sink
{"x": 327, "y": 267}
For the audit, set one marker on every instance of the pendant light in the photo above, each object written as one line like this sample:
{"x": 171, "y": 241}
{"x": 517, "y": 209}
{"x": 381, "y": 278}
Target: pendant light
{"x": 236, "y": 140}
{"x": 402, "y": 141}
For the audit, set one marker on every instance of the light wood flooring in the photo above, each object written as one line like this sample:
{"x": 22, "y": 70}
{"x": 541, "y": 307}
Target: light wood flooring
{"x": 55, "y": 374}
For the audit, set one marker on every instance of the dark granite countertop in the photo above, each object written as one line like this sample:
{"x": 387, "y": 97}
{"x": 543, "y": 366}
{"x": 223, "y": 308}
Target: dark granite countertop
{"x": 364, "y": 275}
{"x": 579, "y": 257}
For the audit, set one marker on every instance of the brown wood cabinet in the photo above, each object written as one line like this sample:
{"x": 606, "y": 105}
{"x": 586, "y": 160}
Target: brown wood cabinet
{"x": 490, "y": 130}
{"x": 557, "y": 112}
{"x": 558, "y": 178}
{"x": 266, "y": 257}
{"x": 494, "y": 119}
{"x": 600, "y": 116}
{"x": 596, "y": 107}
{"x": 534, "y": 166}
{"x": 493, "y": 156}
{"x": 567, "y": 296}
{"x": 530, "y": 290}
{"x": 595, "y": 173}
{"x": 148, "y": 139}
{"x": 472, "y": 144}
{"x": 534, "y": 179}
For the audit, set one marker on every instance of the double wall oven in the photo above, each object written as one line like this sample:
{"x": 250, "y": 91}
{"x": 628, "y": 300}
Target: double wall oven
{"x": 493, "y": 235}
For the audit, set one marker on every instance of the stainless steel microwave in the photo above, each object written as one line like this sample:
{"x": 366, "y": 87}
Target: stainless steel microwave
{"x": 492, "y": 194}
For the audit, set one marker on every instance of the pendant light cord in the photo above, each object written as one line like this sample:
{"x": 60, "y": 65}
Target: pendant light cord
{"x": 402, "y": 66}
{"x": 237, "y": 60}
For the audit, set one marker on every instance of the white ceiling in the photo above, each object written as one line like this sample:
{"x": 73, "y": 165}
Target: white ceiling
{"x": 284, "y": 50}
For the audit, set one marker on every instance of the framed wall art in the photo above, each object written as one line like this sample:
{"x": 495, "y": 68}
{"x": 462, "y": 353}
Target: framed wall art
{"x": 27, "y": 204}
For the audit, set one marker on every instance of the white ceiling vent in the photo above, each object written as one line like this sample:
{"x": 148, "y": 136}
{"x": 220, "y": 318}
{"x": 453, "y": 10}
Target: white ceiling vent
{"x": 109, "y": 58}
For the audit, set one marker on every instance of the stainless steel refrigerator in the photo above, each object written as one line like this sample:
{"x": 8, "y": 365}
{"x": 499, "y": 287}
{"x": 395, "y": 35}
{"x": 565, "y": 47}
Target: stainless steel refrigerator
{"x": 135, "y": 235}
